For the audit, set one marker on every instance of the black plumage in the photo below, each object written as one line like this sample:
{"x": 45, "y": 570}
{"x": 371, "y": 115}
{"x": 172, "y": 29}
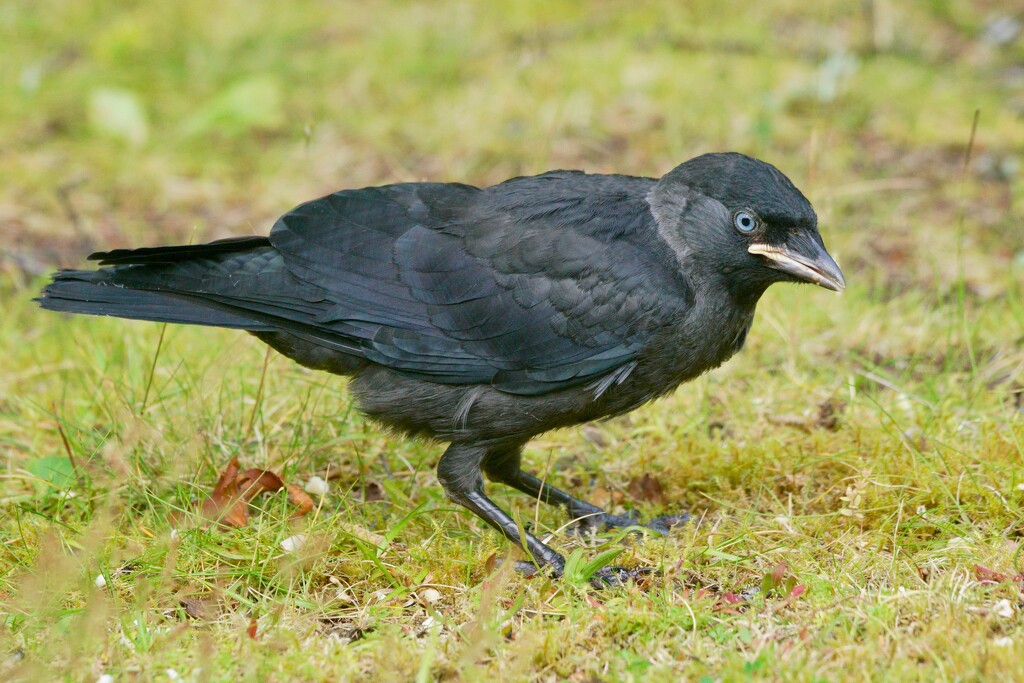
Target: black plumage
{"x": 483, "y": 317}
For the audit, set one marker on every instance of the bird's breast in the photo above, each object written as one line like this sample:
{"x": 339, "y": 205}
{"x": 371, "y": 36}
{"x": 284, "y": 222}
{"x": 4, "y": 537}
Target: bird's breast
{"x": 678, "y": 353}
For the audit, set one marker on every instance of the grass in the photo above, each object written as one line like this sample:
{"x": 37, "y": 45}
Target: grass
{"x": 143, "y": 123}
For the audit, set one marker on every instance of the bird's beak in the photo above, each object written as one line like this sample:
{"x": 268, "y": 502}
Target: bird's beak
{"x": 804, "y": 257}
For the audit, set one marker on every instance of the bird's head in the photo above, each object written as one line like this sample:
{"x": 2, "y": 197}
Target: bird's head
{"x": 744, "y": 219}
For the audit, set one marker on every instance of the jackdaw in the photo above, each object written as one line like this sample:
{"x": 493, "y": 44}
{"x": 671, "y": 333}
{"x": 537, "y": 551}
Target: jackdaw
{"x": 484, "y": 316}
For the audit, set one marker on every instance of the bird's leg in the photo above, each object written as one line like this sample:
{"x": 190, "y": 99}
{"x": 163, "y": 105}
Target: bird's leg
{"x": 459, "y": 473}
{"x": 503, "y": 466}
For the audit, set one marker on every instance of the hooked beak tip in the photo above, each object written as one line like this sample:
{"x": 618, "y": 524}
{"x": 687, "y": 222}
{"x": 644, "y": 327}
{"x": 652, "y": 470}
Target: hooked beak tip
{"x": 819, "y": 269}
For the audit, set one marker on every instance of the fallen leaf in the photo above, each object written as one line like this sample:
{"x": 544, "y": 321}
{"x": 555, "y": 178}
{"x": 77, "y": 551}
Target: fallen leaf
{"x": 988, "y": 576}
{"x": 729, "y": 603}
{"x": 228, "y": 504}
{"x": 253, "y": 482}
{"x": 252, "y": 629}
{"x": 647, "y": 489}
{"x": 225, "y": 505}
{"x": 196, "y": 608}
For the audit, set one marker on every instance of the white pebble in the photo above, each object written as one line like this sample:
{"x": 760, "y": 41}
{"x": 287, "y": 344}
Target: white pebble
{"x": 173, "y": 675}
{"x": 431, "y": 595}
{"x": 105, "y": 678}
{"x": 317, "y": 486}
{"x": 100, "y": 581}
{"x": 1003, "y": 609}
{"x": 293, "y": 543}
{"x": 1004, "y": 641}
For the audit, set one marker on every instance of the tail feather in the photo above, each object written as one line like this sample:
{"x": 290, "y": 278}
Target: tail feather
{"x": 92, "y": 293}
{"x": 155, "y": 255}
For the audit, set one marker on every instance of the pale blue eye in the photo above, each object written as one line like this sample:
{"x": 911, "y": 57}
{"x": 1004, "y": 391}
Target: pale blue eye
{"x": 745, "y": 221}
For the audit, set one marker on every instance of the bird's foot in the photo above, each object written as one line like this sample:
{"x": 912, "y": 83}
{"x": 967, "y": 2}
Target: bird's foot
{"x": 613, "y": 575}
{"x": 606, "y": 577}
{"x": 607, "y": 522}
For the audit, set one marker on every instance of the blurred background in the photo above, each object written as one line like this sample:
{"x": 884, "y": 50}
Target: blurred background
{"x": 136, "y": 123}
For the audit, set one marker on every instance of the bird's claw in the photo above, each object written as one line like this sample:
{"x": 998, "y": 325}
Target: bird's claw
{"x": 606, "y": 522}
{"x": 613, "y": 575}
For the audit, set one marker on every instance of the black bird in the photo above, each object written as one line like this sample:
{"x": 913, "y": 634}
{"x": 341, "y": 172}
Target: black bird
{"x": 485, "y": 316}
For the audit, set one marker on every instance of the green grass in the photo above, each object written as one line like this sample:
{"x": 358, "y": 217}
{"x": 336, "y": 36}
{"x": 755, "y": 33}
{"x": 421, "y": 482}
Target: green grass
{"x": 217, "y": 119}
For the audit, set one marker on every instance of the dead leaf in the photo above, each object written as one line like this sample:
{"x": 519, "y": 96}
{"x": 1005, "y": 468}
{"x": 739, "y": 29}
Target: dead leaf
{"x": 300, "y": 498}
{"x": 647, "y": 489}
{"x": 228, "y": 504}
{"x": 990, "y": 576}
{"x": 196, "y": 608}
{"x": 225, "y": 504}
{"x": 728, "y": 603}
{"x": 252, "y": 629}
{"x": 253, "y": 482}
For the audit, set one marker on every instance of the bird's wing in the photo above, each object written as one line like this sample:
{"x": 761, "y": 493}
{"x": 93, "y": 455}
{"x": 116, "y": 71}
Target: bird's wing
{"x": 505, "y": 286}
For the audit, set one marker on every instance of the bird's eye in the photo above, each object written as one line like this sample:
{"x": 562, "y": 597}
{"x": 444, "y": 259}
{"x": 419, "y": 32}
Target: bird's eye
{"x": 745, "y": 221}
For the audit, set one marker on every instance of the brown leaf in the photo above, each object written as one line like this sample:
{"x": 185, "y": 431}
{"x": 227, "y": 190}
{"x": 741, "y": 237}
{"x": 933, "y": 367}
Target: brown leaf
{"x": 252, "y": 629}
{"x": 228, "y": 504}
{"x": 647, "y": 489}
{"x": 225, "y": 505}
{"x": 253, "y": 482}
{"x": 196, "y": 608}
{"x": 729, "y": 603}
{"x": 991, "y": 576}
{"x": 300, "y": 498}
{"x": 985, "y": 575}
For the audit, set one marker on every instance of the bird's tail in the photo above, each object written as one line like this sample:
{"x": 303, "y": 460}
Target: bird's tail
{"x": 163, "y": 284}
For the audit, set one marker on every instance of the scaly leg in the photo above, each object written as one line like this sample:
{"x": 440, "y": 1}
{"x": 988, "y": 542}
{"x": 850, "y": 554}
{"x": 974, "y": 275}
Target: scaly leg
{"x": 503, "y": 466}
